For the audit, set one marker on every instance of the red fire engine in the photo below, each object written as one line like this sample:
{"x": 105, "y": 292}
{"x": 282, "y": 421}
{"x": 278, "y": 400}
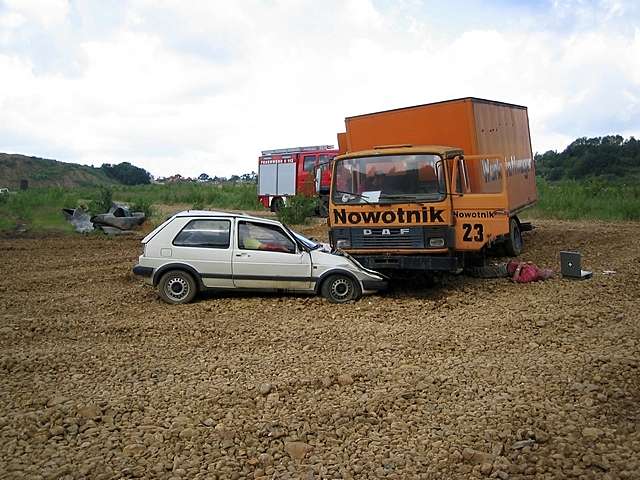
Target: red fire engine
{"x": 295, "y": 171}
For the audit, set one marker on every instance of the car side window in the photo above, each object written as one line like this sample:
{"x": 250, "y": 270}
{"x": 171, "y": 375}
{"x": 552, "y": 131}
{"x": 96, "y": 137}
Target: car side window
{"x": 206, "y": 233}
{"x": 256, "y": 236}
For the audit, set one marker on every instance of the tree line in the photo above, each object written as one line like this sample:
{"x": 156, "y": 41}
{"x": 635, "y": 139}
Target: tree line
{"x": 610, "y": 157}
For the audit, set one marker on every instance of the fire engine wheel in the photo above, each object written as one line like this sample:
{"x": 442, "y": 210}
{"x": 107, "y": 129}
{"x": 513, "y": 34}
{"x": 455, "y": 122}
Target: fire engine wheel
{"x": 177, "y": 287}
{"x": 340, "y": 289}
{"x": 514, "y": 244}
{"x": 277, "y": 204}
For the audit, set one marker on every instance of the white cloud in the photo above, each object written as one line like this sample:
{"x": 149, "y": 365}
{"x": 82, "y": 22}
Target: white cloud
{"x": 177, "y": 86}
{"x": 47, "y": 13}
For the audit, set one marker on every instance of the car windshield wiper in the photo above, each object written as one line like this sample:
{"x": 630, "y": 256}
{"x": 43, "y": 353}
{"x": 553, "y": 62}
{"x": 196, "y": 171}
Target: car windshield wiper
{"x": 354, "y": 194}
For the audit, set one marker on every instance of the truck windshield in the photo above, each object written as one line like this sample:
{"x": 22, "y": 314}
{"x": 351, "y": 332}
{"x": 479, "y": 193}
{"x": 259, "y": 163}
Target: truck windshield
{"x": 388, "y": 179}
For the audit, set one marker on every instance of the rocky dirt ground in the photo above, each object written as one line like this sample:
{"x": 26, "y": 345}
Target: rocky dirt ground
{"x": 469, "y": 378}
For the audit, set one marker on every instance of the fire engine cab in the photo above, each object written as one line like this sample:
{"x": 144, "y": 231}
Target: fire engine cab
{"x": 295, "y": 171}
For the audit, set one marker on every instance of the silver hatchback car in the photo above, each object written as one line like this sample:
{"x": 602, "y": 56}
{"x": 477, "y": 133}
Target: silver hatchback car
{"x": 200, "y": 250}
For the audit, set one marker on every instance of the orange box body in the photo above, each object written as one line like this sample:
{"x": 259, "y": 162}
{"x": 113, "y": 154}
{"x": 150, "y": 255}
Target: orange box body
{"x": 479, "y": 127}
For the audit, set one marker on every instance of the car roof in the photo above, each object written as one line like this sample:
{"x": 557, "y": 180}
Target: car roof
{"x": 212, "y": 213}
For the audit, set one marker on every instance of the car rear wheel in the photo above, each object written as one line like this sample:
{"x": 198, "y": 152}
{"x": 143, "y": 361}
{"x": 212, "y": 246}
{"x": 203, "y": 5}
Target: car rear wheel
{"x": 340, "y": 289}
{"x": 177, "y": 287}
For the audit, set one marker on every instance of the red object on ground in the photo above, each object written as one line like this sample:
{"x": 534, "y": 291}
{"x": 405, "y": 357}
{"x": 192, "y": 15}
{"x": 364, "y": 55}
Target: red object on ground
{"x": 526, "y": 272}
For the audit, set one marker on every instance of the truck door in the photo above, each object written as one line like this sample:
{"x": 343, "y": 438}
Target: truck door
{"x": 266, "y": 257}
{"x": 306, "y": 169}
{"x": 479, "y": 198}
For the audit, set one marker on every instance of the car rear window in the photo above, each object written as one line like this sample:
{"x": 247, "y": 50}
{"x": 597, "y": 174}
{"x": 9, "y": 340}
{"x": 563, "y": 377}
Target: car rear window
{"x": 204, "y": 233}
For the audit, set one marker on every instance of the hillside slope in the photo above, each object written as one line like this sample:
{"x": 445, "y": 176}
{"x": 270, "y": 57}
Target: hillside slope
{"x": 41, "y": 172}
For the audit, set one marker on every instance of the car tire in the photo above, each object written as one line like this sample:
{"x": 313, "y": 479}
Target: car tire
{"x": 514, "y": 245}
{"x": 177, "y": 287}
{"x": 340, "y": 288}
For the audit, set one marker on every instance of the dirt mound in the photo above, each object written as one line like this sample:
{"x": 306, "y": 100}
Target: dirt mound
{"x": 465, "y": 379}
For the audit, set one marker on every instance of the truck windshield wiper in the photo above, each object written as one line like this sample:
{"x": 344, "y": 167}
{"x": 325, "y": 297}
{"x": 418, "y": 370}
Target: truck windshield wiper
{"x": 420, "y": 197}
{"x": 354, "y": 194}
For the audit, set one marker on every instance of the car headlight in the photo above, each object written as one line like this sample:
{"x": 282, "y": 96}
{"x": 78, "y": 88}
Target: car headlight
{"x": 436, "y": 242}
{"x": 343, "y": 243}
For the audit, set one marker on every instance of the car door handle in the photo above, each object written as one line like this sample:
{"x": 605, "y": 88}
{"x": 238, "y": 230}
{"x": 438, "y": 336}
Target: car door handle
{"x": 242, "y": 255}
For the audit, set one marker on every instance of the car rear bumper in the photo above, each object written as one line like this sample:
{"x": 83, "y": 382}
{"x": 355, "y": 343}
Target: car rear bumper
{"x": 145, "y": 272}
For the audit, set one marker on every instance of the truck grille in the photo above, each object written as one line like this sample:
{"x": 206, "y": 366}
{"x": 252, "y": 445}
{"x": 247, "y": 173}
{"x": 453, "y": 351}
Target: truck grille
{"x": 383, "y": 238}
{"x": 387, "y": 237}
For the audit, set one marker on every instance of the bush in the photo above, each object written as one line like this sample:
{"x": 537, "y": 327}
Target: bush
{"x": 103, "y": 202}
{"x": 142, "y": 205}
{"x": 297, "y": 210}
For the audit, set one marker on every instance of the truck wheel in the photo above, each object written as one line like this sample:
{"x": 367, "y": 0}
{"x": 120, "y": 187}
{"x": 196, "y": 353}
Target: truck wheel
{"x": 340, "y": 289}
{"x": 177, "y": 287}
{"x": 514, "y": 244}
{"x": 277, "y": 204}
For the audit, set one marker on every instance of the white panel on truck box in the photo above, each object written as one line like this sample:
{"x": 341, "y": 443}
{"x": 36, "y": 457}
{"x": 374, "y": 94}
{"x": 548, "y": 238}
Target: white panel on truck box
{"x": 287, "y": 178}
{"x": 267, "y": 178}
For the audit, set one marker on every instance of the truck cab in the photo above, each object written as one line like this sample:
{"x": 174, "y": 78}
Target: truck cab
{"x": 414, "y": 207}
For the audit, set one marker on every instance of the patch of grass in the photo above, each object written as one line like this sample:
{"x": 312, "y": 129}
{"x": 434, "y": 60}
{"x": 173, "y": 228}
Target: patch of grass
{"x": 592, "y": 199}
{"x": 40, "y": 208}
{"x": 297, "y": 210}
{"x": 228, "y": 196}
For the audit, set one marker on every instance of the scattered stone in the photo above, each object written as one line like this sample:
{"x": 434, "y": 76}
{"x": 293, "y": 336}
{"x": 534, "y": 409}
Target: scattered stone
{"x": 296, "y": 450}
{"x": 89, "y": 411}
{"x": 344, "y": 380}
{"x": 265, "y": 388}
{"x": 523, "y": 443}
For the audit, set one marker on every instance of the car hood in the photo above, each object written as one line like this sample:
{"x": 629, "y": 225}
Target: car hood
{"x": 338, "y": 259}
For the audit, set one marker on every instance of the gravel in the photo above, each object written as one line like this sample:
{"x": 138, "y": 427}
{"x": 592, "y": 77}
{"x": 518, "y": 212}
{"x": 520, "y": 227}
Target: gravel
{"x": 470, "y": 378}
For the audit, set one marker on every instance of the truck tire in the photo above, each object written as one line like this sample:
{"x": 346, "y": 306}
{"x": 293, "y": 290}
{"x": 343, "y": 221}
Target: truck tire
{"x": 514, "y": 245}
{"x": 276, "y": 204}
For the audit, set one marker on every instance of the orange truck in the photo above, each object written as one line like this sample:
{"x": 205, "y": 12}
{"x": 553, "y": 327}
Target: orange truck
{"x": 432, "y": 187}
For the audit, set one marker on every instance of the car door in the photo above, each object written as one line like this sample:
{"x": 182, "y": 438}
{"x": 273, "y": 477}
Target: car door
{"x": 205, "y": 244}
{"x": 266, "y": 257}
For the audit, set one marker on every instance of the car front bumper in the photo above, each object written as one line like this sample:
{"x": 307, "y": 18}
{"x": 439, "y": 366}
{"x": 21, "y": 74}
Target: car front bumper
{"x": 374, "y": 285}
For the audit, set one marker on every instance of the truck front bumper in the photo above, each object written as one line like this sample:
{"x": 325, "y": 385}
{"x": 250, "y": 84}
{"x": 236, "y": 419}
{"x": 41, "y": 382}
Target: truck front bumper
{"x": 409, "y": 262}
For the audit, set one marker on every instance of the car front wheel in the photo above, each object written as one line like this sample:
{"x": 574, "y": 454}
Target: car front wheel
{"x": 340, "y": 289}
{"x": 177, "y": 287}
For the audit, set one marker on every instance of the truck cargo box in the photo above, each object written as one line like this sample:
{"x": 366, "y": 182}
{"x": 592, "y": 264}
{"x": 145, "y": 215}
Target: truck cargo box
{"x": 479, "y": 127}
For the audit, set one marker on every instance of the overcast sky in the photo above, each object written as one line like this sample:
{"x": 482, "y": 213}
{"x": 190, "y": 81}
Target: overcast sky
{"x": 180, "y": 86}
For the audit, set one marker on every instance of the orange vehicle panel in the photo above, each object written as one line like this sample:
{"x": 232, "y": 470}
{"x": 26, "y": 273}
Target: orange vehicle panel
{"x": 479, "y": 127}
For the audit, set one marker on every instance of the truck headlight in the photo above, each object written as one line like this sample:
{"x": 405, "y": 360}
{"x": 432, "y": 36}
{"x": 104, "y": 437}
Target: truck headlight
{"x": 343, "y": 243}
{"x": 436, "y": 242}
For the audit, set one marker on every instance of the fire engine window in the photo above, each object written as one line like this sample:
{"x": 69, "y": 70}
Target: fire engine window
{"x": 324, "y": 158}
{"x": 309, "y": 163}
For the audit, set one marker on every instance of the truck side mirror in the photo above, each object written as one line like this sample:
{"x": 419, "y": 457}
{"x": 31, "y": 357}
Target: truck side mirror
{"x": 440, "y": 178}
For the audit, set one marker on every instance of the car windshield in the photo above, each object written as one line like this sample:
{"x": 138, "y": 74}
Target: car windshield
{"x": 310, "y": 244}
{"x": 388, "y": 178}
